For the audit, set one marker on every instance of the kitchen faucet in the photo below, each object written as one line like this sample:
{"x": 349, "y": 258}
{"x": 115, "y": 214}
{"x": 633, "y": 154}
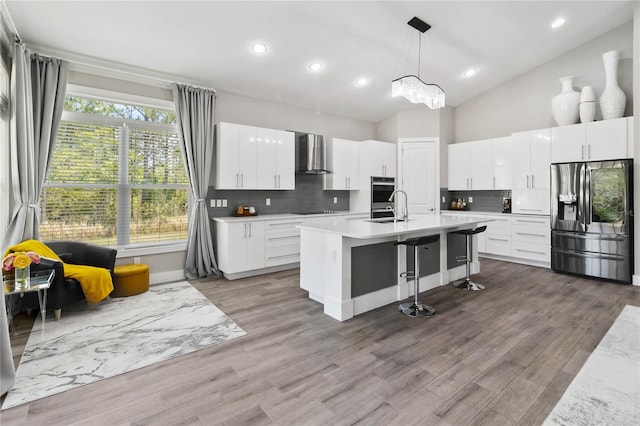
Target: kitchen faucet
{"x": 405, "y": 210}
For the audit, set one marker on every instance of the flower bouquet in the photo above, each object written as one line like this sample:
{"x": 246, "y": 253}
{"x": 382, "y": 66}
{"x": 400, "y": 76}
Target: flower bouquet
{"x": 20, "y": 262}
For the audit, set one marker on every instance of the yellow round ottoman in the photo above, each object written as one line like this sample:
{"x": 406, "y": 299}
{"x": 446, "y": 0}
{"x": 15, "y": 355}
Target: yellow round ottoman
{"x": 130, "y": 280}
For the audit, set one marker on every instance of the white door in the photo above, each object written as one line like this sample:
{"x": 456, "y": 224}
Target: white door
{"x": 266, "y": 159}
{"x": 419, "y": 176}
{"x": 248, "y": 155}
{"x": 606, "y": 140}
{"x": 502, "y": 163}
{"x": 520, "y": 159}
{"x": 481, "y": 164}
{"x": 567, "y": 143}
{"x": 286, "y": 160}
{"x": 227, "y": 173}
{"x": 541, "y": 159}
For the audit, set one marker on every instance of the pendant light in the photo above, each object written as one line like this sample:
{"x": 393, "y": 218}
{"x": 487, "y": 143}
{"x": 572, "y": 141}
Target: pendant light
{"x": 412, "y": 87}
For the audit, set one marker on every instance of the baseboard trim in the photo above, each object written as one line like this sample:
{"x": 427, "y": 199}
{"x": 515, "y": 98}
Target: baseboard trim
{"x": 253, "y": 273}
{"x": 536, "y": 263}
{"x": 636, "y": 280}
{"x": 166, "y": 277}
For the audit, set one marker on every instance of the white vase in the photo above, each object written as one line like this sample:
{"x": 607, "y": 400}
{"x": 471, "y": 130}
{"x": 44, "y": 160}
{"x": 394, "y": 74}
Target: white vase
{"x": 565, "y": 105}
{"x": 587, "y": 104}
{"x": 613, "y": 99}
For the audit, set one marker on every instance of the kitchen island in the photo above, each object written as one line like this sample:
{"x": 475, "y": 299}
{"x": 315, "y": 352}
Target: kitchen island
{"x": 352, "y": 267}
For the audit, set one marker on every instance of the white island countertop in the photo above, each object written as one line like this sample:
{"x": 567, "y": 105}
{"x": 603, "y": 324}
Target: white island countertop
{"x": 365, "y": 229}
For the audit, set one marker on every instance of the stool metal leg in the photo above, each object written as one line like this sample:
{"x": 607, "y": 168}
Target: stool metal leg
{"x": 416, "y": 309}
{"x": 467, "y": 284}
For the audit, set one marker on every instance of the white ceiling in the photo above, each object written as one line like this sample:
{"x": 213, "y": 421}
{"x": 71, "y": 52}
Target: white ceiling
{"x": 207, "y": 43}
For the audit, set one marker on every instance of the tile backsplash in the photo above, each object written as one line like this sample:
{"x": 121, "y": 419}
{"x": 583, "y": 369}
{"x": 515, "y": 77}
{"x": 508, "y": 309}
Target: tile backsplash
{"x": 488, "y": 201}
{"x": 307, "y": 197}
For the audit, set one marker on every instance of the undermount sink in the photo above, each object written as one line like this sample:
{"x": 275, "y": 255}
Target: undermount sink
{"x": 387, "y": 220}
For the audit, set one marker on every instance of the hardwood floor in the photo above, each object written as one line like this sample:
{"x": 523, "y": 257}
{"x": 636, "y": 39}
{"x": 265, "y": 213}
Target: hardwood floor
{"x": 503, "y": 356}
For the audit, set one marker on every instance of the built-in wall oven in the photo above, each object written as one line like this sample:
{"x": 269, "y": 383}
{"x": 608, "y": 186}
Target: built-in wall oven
{"x": 381, "y": 190}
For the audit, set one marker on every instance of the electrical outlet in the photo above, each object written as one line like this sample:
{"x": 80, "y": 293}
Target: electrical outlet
{"x": 470, "y": 200}
{"x": 335, "y": 200}
{"x": 136, "y": 260}
{"x": 224, "y": 202}
{"x": 268, "y": 201}
{"x": 218, "y": 203}
{"x": 213, "y": 202}
{"x": 444, "y": 200}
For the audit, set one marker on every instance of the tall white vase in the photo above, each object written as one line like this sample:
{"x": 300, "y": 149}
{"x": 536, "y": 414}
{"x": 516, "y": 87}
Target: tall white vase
{"x": 613, "y": 99}
{"x": 565, "y": 105}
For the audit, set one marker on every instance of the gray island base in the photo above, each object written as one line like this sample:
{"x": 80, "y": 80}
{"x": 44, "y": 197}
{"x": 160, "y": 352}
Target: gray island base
{"x": 352, "y": 267}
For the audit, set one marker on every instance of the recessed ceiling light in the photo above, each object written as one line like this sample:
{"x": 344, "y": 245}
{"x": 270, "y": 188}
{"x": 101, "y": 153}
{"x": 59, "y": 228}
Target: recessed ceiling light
{"x": 470, "y": 72}
{"x": 315, "y": 66}
{"x": 557, "y": 23}
{"x": 259, "y": 48}
{"x": 361, "y": 82}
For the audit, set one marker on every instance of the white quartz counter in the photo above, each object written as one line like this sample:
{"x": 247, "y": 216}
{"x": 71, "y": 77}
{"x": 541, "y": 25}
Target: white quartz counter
{"x": 365, "y": 229}
{"x": 231, "y": 219}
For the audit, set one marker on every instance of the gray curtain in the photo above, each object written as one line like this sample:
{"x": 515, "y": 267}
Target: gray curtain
{"x": 194, "y": 112}
{"x": 38, "y": 87}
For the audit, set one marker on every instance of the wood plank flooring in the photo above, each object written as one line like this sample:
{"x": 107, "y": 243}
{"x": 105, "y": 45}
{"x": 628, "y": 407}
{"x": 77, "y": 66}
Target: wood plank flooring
{"x": 503, "y": 356}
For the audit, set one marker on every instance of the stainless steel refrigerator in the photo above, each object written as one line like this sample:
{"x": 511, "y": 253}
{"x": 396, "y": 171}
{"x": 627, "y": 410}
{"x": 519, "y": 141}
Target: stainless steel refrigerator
{"x": 592, "y": 219}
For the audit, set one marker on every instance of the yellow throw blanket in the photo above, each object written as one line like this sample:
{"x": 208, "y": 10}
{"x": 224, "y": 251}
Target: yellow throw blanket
{"x": 96, "y": 282}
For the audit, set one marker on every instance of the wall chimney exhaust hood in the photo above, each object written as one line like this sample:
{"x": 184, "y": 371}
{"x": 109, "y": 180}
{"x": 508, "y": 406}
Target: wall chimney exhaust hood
{"x": 312, "y": 154}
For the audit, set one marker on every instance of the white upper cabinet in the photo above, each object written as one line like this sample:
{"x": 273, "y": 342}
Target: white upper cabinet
{"x": 378, "y": 158}
{"x": 276, "y": 159}
{"x": 249, "y": 157}
{"x": 236, "y": 157}
{"x": 530, "y": 159}
{"x": 479, "y": 165}
{"x": 502, "y": 163}
{"x": 343, "y": 157}
{"x": 593, "y": 141}
{"x": 458, "y": 167}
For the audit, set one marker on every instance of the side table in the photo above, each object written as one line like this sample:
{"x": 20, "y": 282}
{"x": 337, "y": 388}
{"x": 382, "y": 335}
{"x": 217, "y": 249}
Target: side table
{"x": 40, "y": 282}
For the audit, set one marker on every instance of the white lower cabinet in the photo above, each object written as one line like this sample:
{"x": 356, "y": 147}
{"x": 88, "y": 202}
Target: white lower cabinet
{"x": 281, "y": 242}
{"x": 498, "y": 235}
{"x": 531, "y": 238}
{"x": 240, "y": 246}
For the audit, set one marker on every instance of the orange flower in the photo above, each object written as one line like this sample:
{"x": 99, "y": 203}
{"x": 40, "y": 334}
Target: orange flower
{"x": 21, "y": 261}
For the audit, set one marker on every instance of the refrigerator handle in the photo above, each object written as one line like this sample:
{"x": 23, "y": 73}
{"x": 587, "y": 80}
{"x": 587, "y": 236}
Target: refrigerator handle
{"x": 585, "y": 189}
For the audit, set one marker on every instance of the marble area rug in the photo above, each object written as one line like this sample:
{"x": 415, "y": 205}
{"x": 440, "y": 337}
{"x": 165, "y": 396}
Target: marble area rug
{"x": 606, "y": 390}
{"x": 91, "y": 343}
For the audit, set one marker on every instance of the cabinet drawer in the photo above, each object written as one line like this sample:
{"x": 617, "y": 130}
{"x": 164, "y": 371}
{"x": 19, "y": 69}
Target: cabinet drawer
{"x": 531, "y": 234}
{"x": 281, "y": 240}
{"x": 282, "y": 255}
{"x": 499, "y": 244}
{"x": 500, "y": 225}
{"x": 531, "y": 251}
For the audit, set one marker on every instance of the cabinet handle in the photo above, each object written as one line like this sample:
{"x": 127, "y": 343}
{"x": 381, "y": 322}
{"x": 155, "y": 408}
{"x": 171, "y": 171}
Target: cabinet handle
{"x": 245, "y": 231}
{"x": 582, "y": 152}
{"x": 275, "y": 181}
{"x": 494, "y": 182}
{"x": 527, "y": 181}
{"x": 284, "y": 225}
{"x": 530, "y": 235}
{"x": 530, "y": 221}
{"x": 241, "y": 180}
{"x": 532, "y": 184}
{"x": 589, "y": 151}
{"x": 249, "y": 229}
{"x": 497, "y": 239}
{"x": 283, "y": 256}
{"x": 278, "y": 181}
{"x": 531, "y": 251}
{"x": 237, "y": 180}
{"x": 532, "y": 210}
{"x": 471, "y": 183}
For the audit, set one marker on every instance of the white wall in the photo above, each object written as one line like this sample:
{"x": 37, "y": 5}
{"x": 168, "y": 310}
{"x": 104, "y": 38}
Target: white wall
{"x": 447, "y": 136}
{"x": 524, "y": 103}
{"x": 256, "y": 112}
{"x": 387, "y": 129}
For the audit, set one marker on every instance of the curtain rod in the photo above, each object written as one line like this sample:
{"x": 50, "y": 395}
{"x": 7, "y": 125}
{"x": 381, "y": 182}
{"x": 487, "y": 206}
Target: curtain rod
{"x": 117, "y": 70}
{"x": 6, "y": 16}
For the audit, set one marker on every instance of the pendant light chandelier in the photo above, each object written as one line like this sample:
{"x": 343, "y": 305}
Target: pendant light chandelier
{"x": 411, "y": 86}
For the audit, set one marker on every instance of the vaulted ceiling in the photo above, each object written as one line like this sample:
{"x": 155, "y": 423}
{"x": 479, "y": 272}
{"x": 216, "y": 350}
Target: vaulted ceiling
{"x": 208, "y": 43}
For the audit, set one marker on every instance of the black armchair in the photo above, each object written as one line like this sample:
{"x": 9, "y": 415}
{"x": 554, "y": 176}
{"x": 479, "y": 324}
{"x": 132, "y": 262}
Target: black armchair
{"x": 64, "y": 292}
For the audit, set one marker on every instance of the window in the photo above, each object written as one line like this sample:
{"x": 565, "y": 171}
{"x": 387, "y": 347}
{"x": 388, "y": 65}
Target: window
{"x": 117, "y": 177}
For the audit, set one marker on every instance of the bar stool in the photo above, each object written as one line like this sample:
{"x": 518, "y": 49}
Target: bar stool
{"x": 467, "y": 284}
{"x": 416, "y": 309}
